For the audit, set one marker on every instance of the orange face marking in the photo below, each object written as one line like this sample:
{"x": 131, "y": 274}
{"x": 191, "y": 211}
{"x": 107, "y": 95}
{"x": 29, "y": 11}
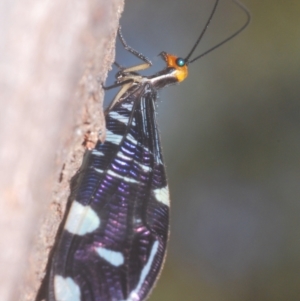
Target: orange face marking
{"x": 181, "y": 72}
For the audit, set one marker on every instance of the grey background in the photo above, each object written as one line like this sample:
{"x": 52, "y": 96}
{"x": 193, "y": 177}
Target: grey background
{"x": 230, "y": 135}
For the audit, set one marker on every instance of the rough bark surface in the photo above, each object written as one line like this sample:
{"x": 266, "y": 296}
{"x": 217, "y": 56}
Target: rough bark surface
{"x": 54, "y": 56}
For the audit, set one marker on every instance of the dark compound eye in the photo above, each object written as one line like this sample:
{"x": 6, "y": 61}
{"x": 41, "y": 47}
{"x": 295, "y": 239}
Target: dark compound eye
{"x": 180, "y": 62}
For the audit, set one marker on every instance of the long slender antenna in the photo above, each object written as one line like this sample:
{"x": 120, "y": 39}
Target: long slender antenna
{"x": 224, "y": 41}
{"x": 203, "y": 31}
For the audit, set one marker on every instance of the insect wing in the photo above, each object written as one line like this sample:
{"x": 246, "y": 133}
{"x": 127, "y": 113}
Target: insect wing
{"x": 114, "y": 239}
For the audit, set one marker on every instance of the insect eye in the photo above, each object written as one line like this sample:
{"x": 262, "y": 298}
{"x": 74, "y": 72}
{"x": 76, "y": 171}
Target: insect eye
{"x": 180, "y": 62}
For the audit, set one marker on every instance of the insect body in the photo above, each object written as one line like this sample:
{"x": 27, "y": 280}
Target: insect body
{"x": 113, "y": 242}
{"x": 115, "y": 235}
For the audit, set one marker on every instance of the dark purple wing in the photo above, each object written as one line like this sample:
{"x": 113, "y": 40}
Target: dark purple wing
{"x": 114, "y": 239}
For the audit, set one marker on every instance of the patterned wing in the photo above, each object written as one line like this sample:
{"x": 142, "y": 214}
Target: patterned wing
{"x": 114, "y": 239}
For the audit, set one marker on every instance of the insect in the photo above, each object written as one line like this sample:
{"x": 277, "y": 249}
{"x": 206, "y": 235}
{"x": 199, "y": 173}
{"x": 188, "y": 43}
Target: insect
{"x": 114, "y": 239}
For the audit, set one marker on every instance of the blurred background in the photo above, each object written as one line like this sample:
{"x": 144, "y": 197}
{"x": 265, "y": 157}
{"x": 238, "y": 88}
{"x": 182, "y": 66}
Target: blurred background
{"x": 231, "y": 141}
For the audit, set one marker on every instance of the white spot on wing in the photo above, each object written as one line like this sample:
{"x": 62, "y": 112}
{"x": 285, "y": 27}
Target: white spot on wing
{"x": 119, "y": 117}
{"x": 97, "y": 153}
{"x": 146, "y": 149}
{"x": 81, "y": 219}
{"x": 122, "y": 156}
{"x": 114, "y": 258}
{"x": 162, "y": 195}
{"x": 126, "y": 179}
{"x": 145, "y": 271}
{"x": 145, "y": 167}
{"x": 65, "y": 289}
{"x": 98, "y": 170}
{"x": 113, "y": 138}
{"x": 121, "y": 162}
{"x": 131, "y": 139}
{"x": 127, "y": 106}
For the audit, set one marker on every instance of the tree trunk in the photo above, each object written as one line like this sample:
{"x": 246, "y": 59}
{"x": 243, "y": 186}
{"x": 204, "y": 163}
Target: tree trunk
{"x": 54, "y": 57}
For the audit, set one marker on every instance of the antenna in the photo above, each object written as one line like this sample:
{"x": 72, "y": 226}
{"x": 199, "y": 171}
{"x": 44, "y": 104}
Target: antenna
{"x": 187, "y": 61}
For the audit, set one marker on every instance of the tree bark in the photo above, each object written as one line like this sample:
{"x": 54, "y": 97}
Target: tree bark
{"x": 54, "y": 57}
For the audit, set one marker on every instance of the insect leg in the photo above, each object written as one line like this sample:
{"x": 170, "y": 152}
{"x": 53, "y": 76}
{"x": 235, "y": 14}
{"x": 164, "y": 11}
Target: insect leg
{"x": 117, "y": 84}
{"x": 124, "y": 88}
{"x": 147, "y": 63}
